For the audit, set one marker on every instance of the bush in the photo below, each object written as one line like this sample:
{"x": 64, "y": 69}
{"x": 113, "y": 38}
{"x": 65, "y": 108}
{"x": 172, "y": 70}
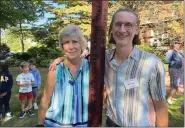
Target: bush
{"x": 43, "y": 55}
{"x": 157, "y": 52}
{"x": 45, "y": 63}
{"x": 22, "y": 56}
{"x": 10, "y": 61}
{"x": 4, "y": 51}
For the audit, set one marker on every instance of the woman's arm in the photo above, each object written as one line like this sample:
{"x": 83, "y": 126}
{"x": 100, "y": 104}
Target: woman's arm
{"x": 46, "y": 97}
{"x": 168, "y": 59}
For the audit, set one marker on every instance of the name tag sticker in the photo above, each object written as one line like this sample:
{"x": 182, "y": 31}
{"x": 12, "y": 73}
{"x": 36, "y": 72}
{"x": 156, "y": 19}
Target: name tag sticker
{"x": 131, "y": 83}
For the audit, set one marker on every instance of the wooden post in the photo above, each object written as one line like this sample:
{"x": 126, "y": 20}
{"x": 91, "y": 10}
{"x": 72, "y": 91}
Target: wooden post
{"x": 97, "y": 62}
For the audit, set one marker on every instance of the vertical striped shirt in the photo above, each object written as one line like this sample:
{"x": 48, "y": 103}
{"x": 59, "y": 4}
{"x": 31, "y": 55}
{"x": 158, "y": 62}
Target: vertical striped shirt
{"x": 133, "y": 106}
{"x": 69, "y": 104}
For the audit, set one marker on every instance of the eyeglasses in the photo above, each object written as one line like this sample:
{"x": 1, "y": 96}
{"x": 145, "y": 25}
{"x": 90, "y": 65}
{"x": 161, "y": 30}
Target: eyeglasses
{"x": 177, "y": 43}
{"x": 127, "y": 25}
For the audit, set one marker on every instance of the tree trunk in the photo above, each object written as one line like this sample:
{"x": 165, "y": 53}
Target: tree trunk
{"x": 22, "y": 38}
{"x": 0, "y": 36}
{"x": 97, "y": 59}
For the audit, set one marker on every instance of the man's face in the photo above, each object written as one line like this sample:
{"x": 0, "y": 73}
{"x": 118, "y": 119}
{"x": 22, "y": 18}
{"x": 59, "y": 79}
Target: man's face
{"x": 124, "y": 28}
{"x": 72, "y": 47}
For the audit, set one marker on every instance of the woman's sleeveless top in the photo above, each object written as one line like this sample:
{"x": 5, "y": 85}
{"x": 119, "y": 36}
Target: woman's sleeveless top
{"x": 69, "y": 104}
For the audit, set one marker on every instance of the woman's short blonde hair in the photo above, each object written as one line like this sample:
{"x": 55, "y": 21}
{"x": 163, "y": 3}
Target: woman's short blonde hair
{"x": 72, "y": 30}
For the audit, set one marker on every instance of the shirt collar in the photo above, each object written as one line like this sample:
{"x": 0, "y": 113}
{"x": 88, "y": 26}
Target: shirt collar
{"x": 134, "y": 54}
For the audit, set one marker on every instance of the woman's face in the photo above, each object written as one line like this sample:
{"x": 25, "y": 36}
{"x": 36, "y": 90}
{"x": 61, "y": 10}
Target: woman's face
{"x": 72, "y": 47}
{"x": 124, "y": 28}
{"x": 177, "y": 45}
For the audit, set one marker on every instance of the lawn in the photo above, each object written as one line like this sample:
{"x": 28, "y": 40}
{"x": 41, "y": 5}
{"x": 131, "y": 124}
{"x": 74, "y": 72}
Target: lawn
{"x": 176, "y": 119}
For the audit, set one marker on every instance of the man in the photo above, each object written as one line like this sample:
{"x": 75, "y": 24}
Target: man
{"x": 134, "y": 79}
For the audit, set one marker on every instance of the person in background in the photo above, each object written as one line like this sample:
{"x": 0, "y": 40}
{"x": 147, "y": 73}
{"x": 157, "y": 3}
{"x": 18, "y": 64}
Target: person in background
{"x": 6, "y": 83}
{"x": 174, "y": 61}
{"x": 37, "y": 82}
{"x": 25, "y": 80}
{"x": 68, "y": 85}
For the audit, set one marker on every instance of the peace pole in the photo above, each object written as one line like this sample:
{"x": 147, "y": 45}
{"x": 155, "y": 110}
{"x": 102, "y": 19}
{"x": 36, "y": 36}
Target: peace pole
{"x": 97, "y": 58}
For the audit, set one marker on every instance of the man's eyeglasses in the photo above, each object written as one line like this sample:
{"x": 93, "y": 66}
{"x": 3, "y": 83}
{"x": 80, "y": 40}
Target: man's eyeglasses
{"x": 178, "y": 43}
{"x": 127, "y": 25}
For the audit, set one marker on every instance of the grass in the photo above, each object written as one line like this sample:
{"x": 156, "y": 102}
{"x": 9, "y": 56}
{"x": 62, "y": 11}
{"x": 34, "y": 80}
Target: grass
{"x": 15, "y": 106}
{"x": 176, "y": 119}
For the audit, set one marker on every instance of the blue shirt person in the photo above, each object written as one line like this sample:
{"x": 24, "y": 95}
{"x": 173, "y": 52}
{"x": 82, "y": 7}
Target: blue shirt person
{"x": 37, "y": 83}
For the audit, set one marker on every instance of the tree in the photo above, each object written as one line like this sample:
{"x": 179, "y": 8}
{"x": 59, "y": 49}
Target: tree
{"x": 12, "y": 11}
{"x": 45, "y": 36}
{"x": 18, "y": 12}
{"x": 12, "y": 37}
{"x": 78, "y": 12}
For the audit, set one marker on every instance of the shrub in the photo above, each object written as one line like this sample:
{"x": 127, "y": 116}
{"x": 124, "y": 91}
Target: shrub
{"x": 22, "y": 56}
{"x": 44, "y": 63}
{"x": 4, "y": 51}
{"x": 42, "y": 55}
{"x": 157, "y": 52}
{"x": 10, "y": 61}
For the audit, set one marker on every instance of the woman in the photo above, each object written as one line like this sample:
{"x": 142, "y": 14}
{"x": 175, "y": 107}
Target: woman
{"x": 68, "y": 85}
{"x": 174, "y": 60}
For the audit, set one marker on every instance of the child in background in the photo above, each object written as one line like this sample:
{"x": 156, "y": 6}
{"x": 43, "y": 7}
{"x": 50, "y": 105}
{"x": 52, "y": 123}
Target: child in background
{"x": 6, "y": 83}
{"x": 25, "y": 81}
{"x": 37, "y": 82}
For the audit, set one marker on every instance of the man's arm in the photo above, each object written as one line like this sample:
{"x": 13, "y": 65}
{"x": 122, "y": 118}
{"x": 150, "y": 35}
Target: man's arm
{"x": 46, "y": 97}
{"x": 53, "y": 65}
{"x": 158, "y": 92}
{"x": 161, "y": 110}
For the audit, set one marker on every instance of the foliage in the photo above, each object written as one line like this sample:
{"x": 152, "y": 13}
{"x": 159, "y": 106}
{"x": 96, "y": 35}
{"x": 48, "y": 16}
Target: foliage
{"x": 22, "y": 56}
{"x": 13, "y": 39}
{"x": 46, "y": 36}
{"x": 78, "y": 12}
{"x": 21, "y": 12}
{"x": 154, "y": 50}
{"x": 44, "y": 63}
{"x": 15, "y": 11}
{"x": 4, "y": 51}
{"x": 43, "y": 55}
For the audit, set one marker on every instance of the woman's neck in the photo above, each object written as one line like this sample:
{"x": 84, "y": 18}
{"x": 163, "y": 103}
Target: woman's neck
{"x": 73, "y": 65}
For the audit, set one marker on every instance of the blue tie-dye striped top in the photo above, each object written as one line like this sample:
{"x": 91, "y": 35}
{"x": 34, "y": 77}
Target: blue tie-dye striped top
{"x": 69, "y": 105}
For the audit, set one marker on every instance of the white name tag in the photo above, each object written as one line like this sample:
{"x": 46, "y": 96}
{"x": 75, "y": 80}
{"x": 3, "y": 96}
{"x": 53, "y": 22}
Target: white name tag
{"x": 132, "y": 83}
{"x": 178, "y": 81}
